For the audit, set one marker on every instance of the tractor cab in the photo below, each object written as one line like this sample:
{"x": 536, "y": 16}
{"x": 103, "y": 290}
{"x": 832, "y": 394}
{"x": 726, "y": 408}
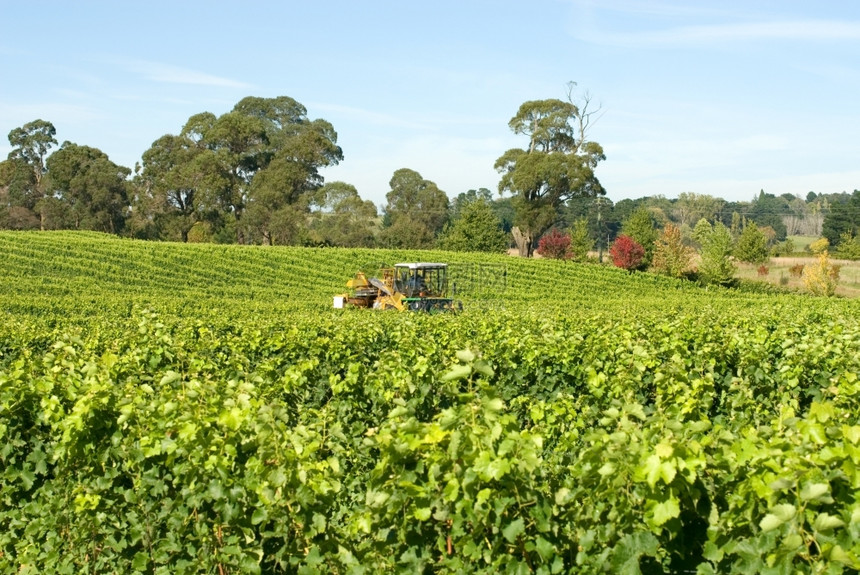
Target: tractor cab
{"x": 421, "y": 279}
{"x": 424, "y": 285}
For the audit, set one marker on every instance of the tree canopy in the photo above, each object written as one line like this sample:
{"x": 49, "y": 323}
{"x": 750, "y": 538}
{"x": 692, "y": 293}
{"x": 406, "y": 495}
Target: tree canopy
{"x": 476, "y": 229}
{"x": 844, "y": 217}
{"x": 415, "y": 212}
{"x": 339, "y": 217}
{"x": 23, "y": 174}
{"x": 93, "y": 188}
{"x": 557, "y": 164}
{"x": 245, "y": 170}
{"x": 751, "y": 246}
{"x": 640, "y": 227}
{"x": 716, "y": 266}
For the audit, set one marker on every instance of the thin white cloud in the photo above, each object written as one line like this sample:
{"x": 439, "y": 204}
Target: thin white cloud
{"x": 652, "y": 8}
{"x": 761, "y": 143}
{"x": 168, "y": 74}
{"x": 834, "y": 72}
{"x": 795, "y": 30}
{"x": 801, "y": 30}
{"x": 20, "y": 114}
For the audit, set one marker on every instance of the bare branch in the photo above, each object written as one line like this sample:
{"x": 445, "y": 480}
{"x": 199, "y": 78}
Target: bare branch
{"x": 585, "y": 118}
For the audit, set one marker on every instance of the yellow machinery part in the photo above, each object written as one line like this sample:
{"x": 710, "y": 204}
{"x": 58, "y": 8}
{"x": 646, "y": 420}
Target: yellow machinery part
{"x": 394, "y": 301}
{"x": 359, "y": 281}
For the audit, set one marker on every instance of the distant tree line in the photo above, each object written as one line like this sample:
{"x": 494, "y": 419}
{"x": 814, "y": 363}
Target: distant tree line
{"x": 832, "y": 216}
{"x": 253, "y": 176}
{"x": 249, "y": 176}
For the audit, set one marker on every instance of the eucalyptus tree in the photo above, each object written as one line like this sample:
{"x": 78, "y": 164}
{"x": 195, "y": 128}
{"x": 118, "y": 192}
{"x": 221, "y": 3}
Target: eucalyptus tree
{"x": 24, "y": 173}
{"x": 415, "y": 213}
{"x": 250, "y": 165}
{"x": 690, "y": 207}
{"x": 169, "y": 187}
{"x": 289, "y": 163}
{"x": 17, "y": 200}
{"x": 557, "y": 164}
{"x": 94, "y": 189}
{"x": 339, "y": 217}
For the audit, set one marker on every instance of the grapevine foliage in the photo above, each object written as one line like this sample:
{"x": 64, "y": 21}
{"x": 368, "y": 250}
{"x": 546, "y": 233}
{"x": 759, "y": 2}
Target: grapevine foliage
{"x": 179, "y": 431}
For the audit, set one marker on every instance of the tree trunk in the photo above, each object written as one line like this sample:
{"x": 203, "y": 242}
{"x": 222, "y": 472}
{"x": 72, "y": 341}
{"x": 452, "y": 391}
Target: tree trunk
{"x": 240, "y": 233}
{"x": 524, "y": 242}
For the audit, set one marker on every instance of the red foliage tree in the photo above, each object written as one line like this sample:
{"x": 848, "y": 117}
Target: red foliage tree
{"x": 555, "y": 245}
{"x": 627, "y": 253}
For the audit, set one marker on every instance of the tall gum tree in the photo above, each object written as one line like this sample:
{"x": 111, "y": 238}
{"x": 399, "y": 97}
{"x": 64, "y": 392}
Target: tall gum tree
{"x": 30, "y": 145}
{"x": 294, "y": 150}
{"x": 557, "y": 165}
{"x": 250, "y": 165}
{"x": 91, "y": 185}
{"x": 415, "y": 212}
{"x": 339, "y": 217}
{"x": 166, "y": 189}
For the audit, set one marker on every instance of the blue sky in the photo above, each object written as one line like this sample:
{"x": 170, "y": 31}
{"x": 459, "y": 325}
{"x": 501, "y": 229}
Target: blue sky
{"x": 723, "y": 98}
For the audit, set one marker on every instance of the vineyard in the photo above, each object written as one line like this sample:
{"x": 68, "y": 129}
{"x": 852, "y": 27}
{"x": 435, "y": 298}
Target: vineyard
{"x": 173, "y": 408}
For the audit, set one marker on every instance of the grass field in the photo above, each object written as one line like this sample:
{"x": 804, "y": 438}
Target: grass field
{"x": 169, "y": 408}
{"x": 801, "y": 243}
{"x": 780, "y": 273}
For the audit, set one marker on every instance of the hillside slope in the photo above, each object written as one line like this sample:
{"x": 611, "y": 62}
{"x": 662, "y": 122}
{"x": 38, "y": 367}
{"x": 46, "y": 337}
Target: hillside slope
{"x": 82, "y": 272}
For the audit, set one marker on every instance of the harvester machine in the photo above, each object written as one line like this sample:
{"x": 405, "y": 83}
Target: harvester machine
{"x": 408, "y": 286}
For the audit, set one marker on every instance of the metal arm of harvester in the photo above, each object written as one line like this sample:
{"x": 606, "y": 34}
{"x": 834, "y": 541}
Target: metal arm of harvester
{"x": 388, "y": 297}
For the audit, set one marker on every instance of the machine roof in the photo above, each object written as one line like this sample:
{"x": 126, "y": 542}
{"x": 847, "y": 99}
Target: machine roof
{"x": 421, "y": 266}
